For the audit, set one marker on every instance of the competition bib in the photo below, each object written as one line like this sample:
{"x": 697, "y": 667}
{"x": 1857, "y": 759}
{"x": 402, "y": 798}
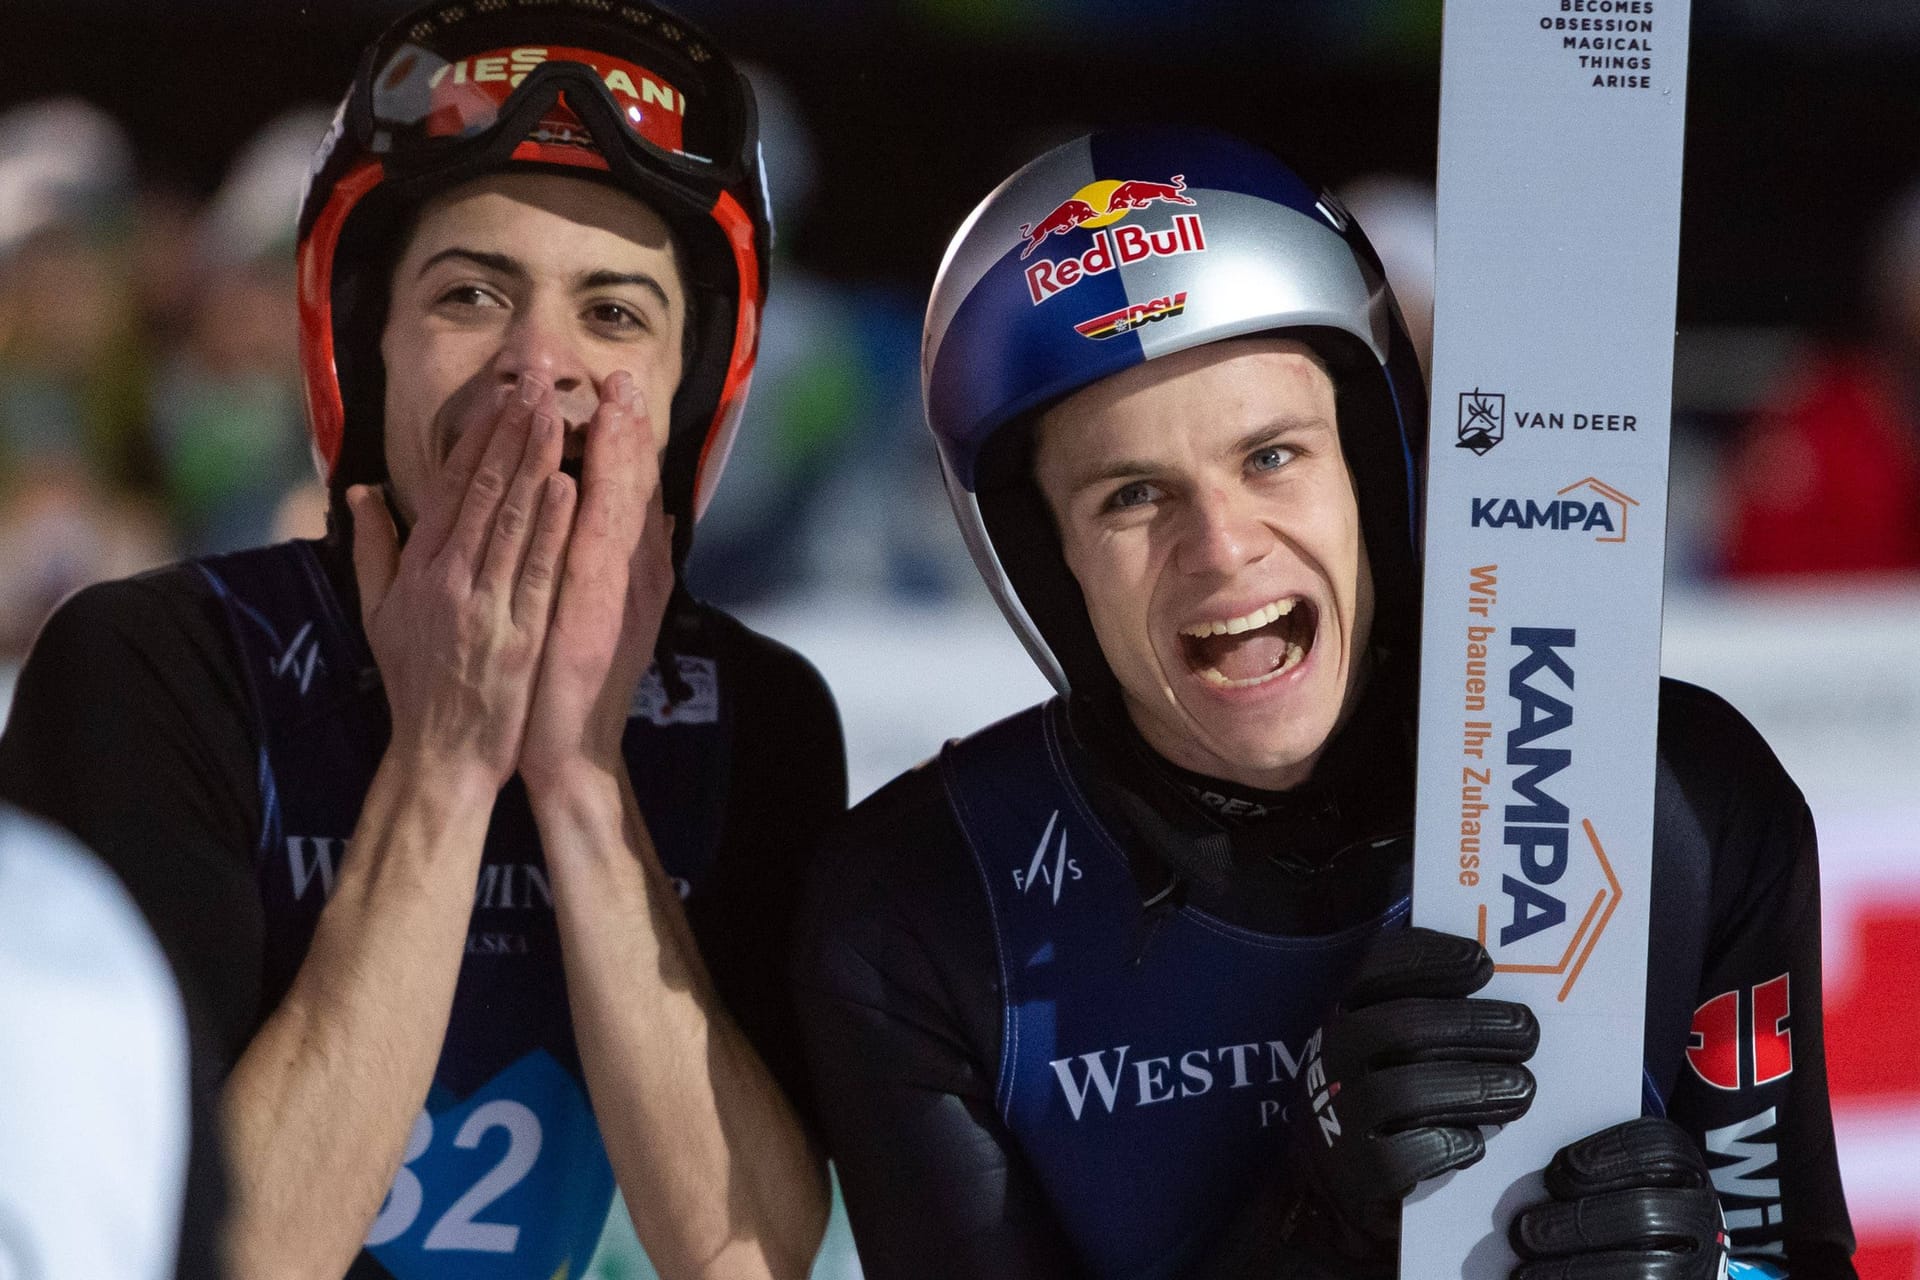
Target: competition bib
{"x": 481, "y": 1175}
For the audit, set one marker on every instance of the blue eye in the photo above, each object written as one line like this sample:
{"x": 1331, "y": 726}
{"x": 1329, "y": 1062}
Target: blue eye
{"x": 1271, "y": 458}
{"x": 1136, "y": 494}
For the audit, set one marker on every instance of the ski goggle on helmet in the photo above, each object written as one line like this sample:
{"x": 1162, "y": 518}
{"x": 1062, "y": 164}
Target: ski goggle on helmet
{"x": 625, "y": 93}
{"x": 1119, "y": 248}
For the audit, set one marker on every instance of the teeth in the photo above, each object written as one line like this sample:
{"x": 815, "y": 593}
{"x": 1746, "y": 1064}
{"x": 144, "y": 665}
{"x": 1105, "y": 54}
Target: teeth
{"x": 1234, "y": 626}
{"x": 1213, "y": 676}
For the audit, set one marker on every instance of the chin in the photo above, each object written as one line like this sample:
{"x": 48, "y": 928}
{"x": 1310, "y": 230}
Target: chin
{"x": 1268, "y": 735}
{"x": 1259, "y": 756}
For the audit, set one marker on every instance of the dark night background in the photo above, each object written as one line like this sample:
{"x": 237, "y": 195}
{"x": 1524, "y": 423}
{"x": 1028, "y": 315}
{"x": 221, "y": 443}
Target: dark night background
{"x": 1803, "y": 116}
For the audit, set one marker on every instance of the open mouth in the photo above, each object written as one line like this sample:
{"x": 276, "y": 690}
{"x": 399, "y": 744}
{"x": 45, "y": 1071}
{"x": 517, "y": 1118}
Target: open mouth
{"x": 1238, "y": 653}
{"x": 573, "y": 452}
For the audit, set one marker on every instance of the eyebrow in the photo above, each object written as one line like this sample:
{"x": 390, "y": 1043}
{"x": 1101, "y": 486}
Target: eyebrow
{"x": 1292, "y": 424}
{"x": 514, "y": 269}
{"x": 1265, "y": 434}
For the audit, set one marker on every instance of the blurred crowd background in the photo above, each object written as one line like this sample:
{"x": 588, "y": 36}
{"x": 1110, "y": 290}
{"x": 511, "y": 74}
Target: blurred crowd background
{"x": 152, "y": 157}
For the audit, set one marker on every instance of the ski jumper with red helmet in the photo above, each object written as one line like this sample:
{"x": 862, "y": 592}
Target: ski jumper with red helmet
{"x": 1144, "y": 1059}
{"x": 629, "y": 95}
{"x": 504, "y": 1174}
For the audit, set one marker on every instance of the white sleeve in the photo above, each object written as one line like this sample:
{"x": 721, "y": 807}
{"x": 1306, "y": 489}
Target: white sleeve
{"x": 93, "y": 1070}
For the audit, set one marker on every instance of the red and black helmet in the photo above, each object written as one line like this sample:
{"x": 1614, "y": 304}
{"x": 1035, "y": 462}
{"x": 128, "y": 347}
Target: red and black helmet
{"x": 620, "y": 92}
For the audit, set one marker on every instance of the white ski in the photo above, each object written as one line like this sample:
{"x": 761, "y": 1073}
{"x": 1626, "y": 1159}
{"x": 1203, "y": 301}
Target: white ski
{"x": 1559, "y": 214}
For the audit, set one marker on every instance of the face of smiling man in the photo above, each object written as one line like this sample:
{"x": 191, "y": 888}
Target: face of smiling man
{"x": 525, "y": 276}
{"x": 1206, "y": 510}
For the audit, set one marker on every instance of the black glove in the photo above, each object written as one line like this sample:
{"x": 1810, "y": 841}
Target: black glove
{"x": 1633, "y": 1202}
{"x": 1406, "y": 1071}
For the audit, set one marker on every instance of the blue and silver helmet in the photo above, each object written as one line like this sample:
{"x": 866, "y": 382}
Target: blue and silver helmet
{"x": 1122, "y": 247}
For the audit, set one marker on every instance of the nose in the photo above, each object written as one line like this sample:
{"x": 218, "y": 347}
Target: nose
{"x": 1223, "y": 533}
{"x": 540, "y": 342}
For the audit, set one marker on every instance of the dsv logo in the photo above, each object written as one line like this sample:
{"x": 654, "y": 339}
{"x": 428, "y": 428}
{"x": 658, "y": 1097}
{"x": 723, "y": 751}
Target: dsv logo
{"x": 1050, "y": 865}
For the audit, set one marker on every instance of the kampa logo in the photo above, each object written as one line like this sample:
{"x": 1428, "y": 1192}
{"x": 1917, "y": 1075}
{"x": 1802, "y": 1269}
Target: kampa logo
{"x": 1538, "y": 830}
{"x": 1601, "y": 510}
{"x": 1483, "y": 420}
{"x": 1097, "y": 206}
{"x": 1051, "y": 867}
{"x": 1127, "y": 319}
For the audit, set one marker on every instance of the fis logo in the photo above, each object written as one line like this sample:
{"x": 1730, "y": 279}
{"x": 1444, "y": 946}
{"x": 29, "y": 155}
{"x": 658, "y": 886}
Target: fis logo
{"x": 1600, "y": 509}
{"x": 300, "y": 660}
{"x": 1127, "y": 319}
{"x": 1051, "y": 866}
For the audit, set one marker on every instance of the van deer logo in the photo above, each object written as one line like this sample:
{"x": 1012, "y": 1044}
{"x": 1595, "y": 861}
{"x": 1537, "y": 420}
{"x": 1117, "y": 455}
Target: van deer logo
{"x": 1483, "y": 420}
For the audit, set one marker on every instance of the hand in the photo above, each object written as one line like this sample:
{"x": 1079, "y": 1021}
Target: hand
{"x": 1633, "y": 1202}
{"x": 613, "y": 592}
{"x": 1407, "y": 1070}
{"x": 458, "y": 618}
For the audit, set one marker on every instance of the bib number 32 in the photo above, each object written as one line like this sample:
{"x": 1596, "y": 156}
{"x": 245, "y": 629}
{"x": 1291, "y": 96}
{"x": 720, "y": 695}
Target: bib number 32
{"x": 508, "y": 1183}
{"x": 460, "y": 1226}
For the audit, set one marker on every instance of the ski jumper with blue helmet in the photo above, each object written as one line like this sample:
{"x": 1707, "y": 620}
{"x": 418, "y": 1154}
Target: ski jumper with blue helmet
{"x": 1120, "y": 248}
{"x": 1139, "y": 1042}
{"x": 1031, "y": 1010}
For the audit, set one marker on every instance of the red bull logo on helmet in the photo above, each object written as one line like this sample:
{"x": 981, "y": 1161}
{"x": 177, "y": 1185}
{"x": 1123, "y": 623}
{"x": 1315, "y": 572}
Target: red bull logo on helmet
{"x": 1099, "y": 205}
